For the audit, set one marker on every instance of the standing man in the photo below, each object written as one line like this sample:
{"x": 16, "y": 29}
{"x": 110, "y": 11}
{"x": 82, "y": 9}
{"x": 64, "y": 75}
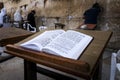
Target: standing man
{"x": 90, "y": 16}
{"x": 2, "y": 14}
{"x": 18, "y": 18}
{"x": 31, "y": 19}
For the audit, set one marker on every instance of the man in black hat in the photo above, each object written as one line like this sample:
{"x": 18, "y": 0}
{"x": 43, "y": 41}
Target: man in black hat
{"x": 31, "y": 19}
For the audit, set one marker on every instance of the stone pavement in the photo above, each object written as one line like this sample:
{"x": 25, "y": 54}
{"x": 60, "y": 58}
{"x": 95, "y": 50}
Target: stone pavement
{"x": 12, "y": 69}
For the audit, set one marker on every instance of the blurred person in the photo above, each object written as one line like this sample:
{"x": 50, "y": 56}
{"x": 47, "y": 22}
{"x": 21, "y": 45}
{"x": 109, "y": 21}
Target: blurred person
{"x": 17, "y": 15}
{"x": 31, "y": 19}
{"x": 3, "y": 12}
{"x": 90, "y": 16}
{"x": 18, "y": 18}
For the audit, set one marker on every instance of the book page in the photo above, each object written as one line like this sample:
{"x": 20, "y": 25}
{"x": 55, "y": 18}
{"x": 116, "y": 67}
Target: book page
{"x": 70, "y": 44}
{"x": 42, "y": 40}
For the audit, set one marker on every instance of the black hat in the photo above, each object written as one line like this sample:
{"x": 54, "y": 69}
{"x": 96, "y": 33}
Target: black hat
{"x": 33, "y": 11}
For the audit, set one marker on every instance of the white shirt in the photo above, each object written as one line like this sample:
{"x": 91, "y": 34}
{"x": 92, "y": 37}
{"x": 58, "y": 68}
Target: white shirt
{"x": 2, "y": 13}
{"x": 17, "y": 16}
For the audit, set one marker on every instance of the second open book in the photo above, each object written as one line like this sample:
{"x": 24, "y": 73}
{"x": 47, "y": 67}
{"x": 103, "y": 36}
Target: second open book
{"x": 69, "y": 44}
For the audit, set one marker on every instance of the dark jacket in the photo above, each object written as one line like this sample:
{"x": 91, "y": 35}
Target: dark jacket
{"x": 91, "y": 15}
{"x": 31, "y": 19}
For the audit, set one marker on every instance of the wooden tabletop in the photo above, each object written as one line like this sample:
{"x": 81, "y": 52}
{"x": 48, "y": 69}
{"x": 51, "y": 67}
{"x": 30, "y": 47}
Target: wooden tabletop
{"x": 83, "y": 67}
{"x": 12, "y": 35}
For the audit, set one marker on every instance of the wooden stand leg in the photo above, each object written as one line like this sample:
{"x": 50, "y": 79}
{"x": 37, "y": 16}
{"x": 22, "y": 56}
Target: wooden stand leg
{"x": 30, "y": 70}
{"x": 98, "y": 72}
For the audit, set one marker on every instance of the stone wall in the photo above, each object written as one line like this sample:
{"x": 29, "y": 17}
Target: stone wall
{"x": 113, "y": 20}
{"x": 70, "y": 12}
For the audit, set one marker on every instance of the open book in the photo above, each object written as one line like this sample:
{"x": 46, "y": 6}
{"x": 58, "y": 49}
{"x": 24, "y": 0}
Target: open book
{"x": 69, "y": 44}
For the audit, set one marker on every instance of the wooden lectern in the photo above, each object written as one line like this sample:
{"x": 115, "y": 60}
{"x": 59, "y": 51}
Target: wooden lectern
{"x": 11, "y": 35}
{"x": 85, "y": 67}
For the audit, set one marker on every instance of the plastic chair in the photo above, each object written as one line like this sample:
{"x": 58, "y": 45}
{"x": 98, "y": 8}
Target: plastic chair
{"x": 115, "y": 66}
{"x": 27, "y": 26}
{"x": 42, "y": 28}
{"x": 16, "y": 24}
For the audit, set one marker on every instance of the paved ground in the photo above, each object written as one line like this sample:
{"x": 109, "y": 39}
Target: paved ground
{"x": 12, "y": 69}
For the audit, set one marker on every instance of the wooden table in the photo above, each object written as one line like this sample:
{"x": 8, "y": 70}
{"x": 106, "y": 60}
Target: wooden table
{"x": 88, "y": 26}
{"x": 11, "y": 35}
{"x": 59, "y": 25}
{"x": 85, "y": 67}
